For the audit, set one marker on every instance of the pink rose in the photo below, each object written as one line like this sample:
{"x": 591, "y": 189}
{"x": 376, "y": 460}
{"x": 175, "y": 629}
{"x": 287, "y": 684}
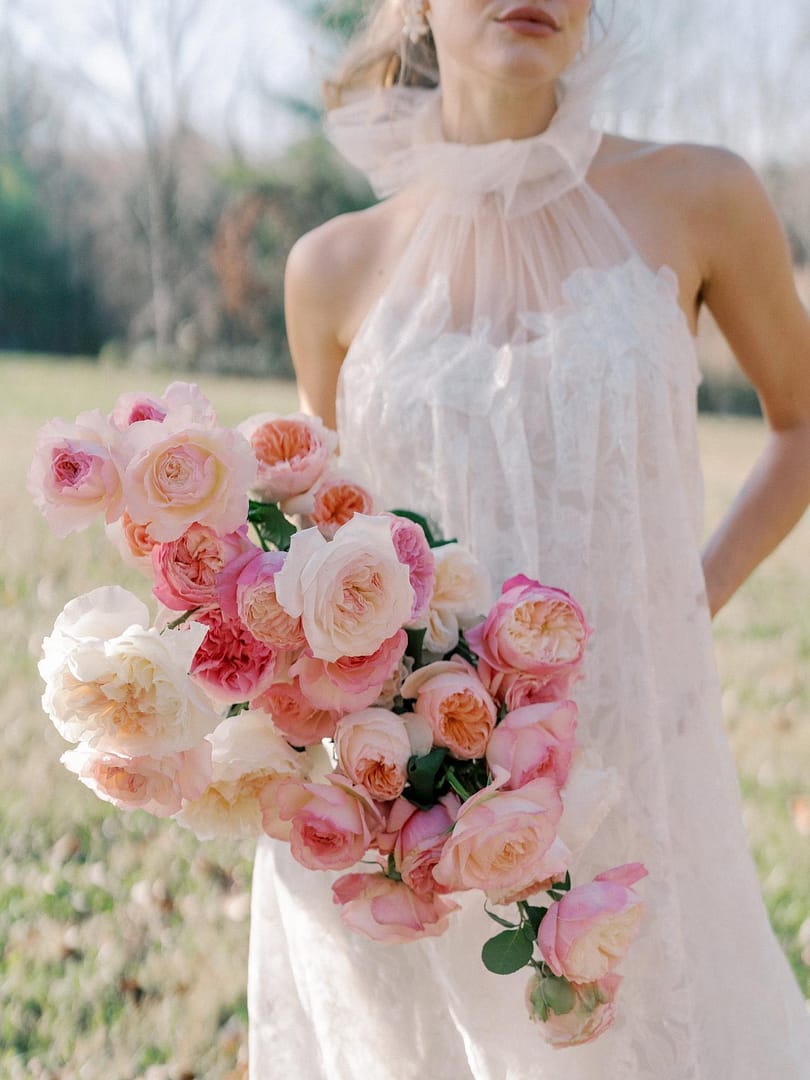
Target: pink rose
{"x": 515, "y": 690}
{"x": 420, "y": 836}
{"x": 373, "y": 749}
{"x": 186, "y": 569}
{"x": 352, "y": 682}
{"x": 181, "y": 475}
{"x": 388, "y": 911}
{"x": 414, "y": 551}
{"x": 336, "y": 500}
{"x": 333, "y": 824}
{"x": 584, "y": 935}
{"x": 156, "y": 785}
{"x": 230, "y": 664}
{"x": 537, "y": 740}
{"x": 292, "y": 453}
{"x": 302, "y": 723}
{"x": 591, "y": 1014}
{"x": 533, "y": 630}
{"x": 352, "y": 593}
{"x": 255, "y": 601}
{"x": 503, "y": 842}
{"x": 460, "y": 712}
{"x": 73, "y": 475}
{"x": 132, "y": 408}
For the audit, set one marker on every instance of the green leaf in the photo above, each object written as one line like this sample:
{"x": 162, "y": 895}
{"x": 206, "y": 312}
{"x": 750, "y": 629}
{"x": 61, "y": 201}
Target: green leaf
{"x": 416, "y": 641}
{"x": 554, "y": 894}
{"x": 391, "y": 870}
{"x": 271, "y": 525}
{"x": 240, "y": 707}
{"x": 423, "y": 772}
{"x": 499, "y": 920}
{"x": 558, "y": 994}
{"x": 507, "y": 952}
{"x": 534, "y": 916}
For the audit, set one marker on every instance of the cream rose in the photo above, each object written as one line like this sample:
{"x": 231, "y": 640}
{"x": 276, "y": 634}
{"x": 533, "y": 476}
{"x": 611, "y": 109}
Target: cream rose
{"x": 373, "y": 749}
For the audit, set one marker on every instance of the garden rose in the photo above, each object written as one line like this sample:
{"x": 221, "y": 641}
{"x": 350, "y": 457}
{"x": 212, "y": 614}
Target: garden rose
{"x": 420, "y": 836}
{"x": 412, "y": 548}
{"x": 156, "y": 785}
{"x": 462, "y": 591}
{"x": 592, "y": 1010}
{"x": 186, "y": 569}
{"x": 133, "y": 542}
{"x": 336, "y": 500}
{"x": 531, "y": 629}
{"x": 459, "y": 710}
{"x": 333, "y": 824}
{"x": 537, "y": 740}
{"x": 503, "y": 841}
{"x": 590, "y": 793}
{"x": 247, "y": 590}
{"x": 352, "y": 682}
{"x": 292, "y": 453}
{"x": 230, "y": 663}
{"x": 247, "y": 752}
{"x": 293, "y": 714}
{"x": 132, "y": 408}
{"x": 585, "y": 934}
{"x": 119, "y": 686}
{"x": 373, "y": 749}
{"x": 352, "y": 593}
{"x": 74, "y": 475}
{"x": 515, "y": 689}
{"x": 388, "y": 911}
{"x": 181, "y": 475}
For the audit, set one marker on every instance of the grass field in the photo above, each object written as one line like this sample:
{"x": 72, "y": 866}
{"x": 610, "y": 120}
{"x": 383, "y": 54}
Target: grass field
{"x": 123, "y": 942}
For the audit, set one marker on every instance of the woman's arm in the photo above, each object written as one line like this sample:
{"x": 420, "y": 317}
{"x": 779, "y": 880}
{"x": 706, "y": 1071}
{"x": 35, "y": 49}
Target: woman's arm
{"x": 748, "y": 285}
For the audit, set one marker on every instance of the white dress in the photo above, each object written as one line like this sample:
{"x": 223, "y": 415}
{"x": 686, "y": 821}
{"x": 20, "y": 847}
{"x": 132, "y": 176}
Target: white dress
{"x": 530, "y": 383}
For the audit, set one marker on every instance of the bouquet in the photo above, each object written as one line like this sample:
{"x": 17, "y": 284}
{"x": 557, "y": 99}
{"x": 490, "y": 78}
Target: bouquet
{"x": 347, "y": 687}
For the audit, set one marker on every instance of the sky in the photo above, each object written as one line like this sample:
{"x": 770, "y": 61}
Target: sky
{"x": 735, "y": 72}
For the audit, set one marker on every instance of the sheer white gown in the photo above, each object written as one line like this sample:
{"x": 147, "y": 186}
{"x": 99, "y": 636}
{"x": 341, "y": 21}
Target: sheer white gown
{"x": 529, "y": 382}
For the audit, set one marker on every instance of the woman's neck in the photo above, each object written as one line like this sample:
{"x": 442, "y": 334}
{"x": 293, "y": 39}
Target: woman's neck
{"x": 477, "y": 111}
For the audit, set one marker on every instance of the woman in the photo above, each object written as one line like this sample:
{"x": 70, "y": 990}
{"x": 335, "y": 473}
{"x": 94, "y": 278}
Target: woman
{"x": 506, "y": 342}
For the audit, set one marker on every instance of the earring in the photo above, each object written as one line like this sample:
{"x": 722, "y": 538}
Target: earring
{"x": 414, "y": 23}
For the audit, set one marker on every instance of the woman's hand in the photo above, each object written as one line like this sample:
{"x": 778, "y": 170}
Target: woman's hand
{"x": 749, "y": 287}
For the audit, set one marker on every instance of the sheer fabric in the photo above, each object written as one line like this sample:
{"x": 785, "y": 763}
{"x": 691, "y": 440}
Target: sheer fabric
{"x": 529, "y": 382}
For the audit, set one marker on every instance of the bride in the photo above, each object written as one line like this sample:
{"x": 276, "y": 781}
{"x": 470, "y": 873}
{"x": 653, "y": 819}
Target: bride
{"x": 506, "y": 344}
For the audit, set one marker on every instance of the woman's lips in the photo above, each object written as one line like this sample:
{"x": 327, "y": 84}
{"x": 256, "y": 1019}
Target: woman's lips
{"x": 530, "y": 21}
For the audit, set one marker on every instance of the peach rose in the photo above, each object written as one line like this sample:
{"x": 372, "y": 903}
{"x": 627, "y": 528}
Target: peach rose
{"x": 336, "y": 500}
{"x": 502, "y": 840}
{"x": 585, "y": 934}
{"x": 292, "y": 453}
{"x": 181, "y": 475}
{"x": 532, "y": 629}
{"x": 248, "y": 753}
{"x": 537, "y": 740}
{"x": 134, "y": 542}
{"x": 302, "y": 723}
{"x": 459, "y": 710}
{"x": 333, "y": 824}
{"x": 156, "y": 785}
{"x": 571, "y": 1015}
{"x": 352, "y": 682}
{"x": 515, "y": 689}
{"x": 373, "y": 749}
{"x": 74, "y": 474}
{"x": 258, "y": 607}
{"x": 388, "y": 911}
{"x": 420, "y": 836}
{"x": 186, "y": 569}
{"x": 352, "y": 593}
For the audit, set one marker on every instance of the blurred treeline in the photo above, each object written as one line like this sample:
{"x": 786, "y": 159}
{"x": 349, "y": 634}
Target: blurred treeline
{"x": 165, "y": 245}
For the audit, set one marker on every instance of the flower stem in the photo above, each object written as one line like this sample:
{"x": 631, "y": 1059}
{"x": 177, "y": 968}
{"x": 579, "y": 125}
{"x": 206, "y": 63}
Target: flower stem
{"x": 183, "y": 618}
{"x": 457, "y": 786}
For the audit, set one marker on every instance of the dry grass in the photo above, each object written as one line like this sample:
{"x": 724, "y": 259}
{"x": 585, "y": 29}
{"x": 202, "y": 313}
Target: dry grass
{"x": 123, "y": 942}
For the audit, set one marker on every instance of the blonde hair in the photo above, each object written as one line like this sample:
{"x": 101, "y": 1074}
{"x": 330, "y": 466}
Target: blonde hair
{"x": 381, "y": 55}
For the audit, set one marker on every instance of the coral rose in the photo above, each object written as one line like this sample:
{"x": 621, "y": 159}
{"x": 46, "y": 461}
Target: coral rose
{"x": 333, "y": 824}
{"x": 74, "y": 475}
{"x": 585, "y": 934}
{"x": 373, "y": 749}
{"x": 230, "y": 663}
{"x": 352, "y": 593}
{"x": 336, "y": 500}
{"x": 352, "y": 682}
{"x": 503, "y": 841}
{"x": 537, "y": 740}
{"x": 388, "y": 911}
{"x": 133, "y": 542}
{"x": 532, "y": 629}
{"x": 186, "y": 569}
{"x": 586, "y": 1011}
{"x": 450, "y": 696}
{"x": 292, "y": 453}
{"x": 293, "y": 714}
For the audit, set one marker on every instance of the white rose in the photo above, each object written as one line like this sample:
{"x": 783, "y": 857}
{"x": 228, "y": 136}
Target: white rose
{"x": 463, "y": 585}
{"x": 352, "y": 593}
{"x": 248, "y": 753}
{"x": 589, "y": 794}
{"x": 115, "y": 684}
